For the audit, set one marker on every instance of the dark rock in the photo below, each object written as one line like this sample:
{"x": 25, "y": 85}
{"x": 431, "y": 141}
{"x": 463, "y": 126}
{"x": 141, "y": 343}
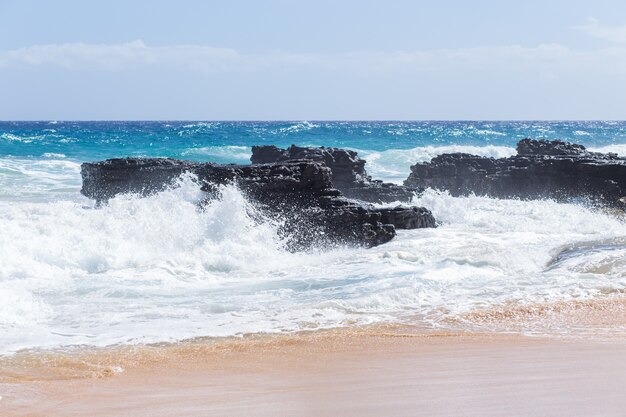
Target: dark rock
{"x": 300, "y": 193}
{"x": 529, "y": 147}
{"x": 407, "y": 217}
{"x": 104, "y": 180}
{"x": 348, "y": 172}
{"x": 542, "y": 169}
{"x": 345, "y": 165}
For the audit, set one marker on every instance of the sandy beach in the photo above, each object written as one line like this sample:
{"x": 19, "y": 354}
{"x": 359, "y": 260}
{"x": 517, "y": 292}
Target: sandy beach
{"x": 312, "y": 208}
{"x": 373, "y": 371}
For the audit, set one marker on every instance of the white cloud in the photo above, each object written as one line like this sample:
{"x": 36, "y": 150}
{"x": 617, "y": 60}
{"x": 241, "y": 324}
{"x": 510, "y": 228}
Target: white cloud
{"x": 616, "y": 34}
{"x": 80, "y": 55}
{"x": 546, "y": 60}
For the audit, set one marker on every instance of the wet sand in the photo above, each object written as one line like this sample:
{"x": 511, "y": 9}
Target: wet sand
{"x": 372, "y": 371}
{"x": 356, "y": 375}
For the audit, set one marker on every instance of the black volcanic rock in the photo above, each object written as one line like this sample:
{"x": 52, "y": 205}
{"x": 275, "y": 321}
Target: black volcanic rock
{"x": 532, "y": 147}
{"x": 541, "y": 169}
{"x": 348, "y": 172}
{"x": 345, "y": 165}
{"x": 407, "y": 217}
{"x": 106, "y": 179}
{"x": 298, "y": 192}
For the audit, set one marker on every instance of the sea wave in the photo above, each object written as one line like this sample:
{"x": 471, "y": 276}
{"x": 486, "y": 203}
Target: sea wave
{"x": 65, "y": 264}
{"x": 618, "y": 148}
{"x": 238, "y": 154}
{"x": 394, "y": 164}
{"x": 53, "y": 155}
{"x": 22, "y": 178}
{"x": 157, "y": 269}
{"x": 297, "y": 127}
{"x": 192, "y": 129}
{"x": 16, "y": 138}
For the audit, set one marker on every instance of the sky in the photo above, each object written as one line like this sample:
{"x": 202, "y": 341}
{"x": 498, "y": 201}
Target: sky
{"x": 312, "y": 60}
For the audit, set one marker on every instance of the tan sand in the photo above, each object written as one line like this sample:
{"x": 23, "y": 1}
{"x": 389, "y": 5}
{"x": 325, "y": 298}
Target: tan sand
{"x": 376, "y": 371}
{"x": 359, "y": 375}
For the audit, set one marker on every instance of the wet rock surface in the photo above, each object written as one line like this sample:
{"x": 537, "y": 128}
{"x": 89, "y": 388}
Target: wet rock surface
{"x": 542, "y": 169}
{"x": 299, "y": 192}
{"x": 347, "y": 171}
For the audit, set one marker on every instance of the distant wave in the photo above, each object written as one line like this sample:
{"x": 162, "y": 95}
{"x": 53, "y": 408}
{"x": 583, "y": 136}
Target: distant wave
{"x": 238, "y": 154}
{"x": 53, "y": 155}
{"x": 619, "y": 149}
{"x": 393, "y": 164}
{"x": 11, "y": 137}
{"x": 298, "y": 127}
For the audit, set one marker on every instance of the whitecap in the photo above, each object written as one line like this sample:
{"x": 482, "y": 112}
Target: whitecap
{"x": 394, "y": 164}
{"x": 239, "y": 154}
{"x": 619, "y": 148}
{"x": 298, "y": 127}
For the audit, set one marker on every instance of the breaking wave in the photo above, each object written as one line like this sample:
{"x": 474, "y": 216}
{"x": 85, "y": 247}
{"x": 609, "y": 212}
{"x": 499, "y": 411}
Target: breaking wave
{"x": 393, "y": 164}
{"x": 160, "y": 268}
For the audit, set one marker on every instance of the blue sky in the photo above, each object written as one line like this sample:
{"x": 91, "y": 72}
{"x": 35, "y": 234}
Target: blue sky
{"x": 320, "y": 59}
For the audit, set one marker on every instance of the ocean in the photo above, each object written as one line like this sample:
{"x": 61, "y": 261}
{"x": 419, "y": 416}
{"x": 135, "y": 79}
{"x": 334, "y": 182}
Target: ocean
{"x": 159, "y": 269}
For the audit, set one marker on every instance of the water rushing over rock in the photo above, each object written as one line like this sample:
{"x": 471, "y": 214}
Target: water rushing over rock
{"x": 173, "y": 265}
{"x": 299, "y": 192}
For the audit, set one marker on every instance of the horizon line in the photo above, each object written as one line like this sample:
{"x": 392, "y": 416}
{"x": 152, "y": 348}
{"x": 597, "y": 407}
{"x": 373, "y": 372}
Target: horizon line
{"x": 302, "y": 120}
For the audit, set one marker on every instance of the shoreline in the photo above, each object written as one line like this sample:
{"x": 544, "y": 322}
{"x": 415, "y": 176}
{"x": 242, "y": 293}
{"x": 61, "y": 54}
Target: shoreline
{"x": 372, "y": 370}
{"x": 601, "y": 319}
{"x": 358, "y": 374}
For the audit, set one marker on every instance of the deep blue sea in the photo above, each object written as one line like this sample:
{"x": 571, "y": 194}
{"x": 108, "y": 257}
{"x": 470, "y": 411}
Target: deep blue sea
{"x": 159, "y": 269}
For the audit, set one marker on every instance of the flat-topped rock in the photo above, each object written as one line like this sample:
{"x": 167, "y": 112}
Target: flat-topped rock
{"x": 534, "y": 147}
{"x": 541, "y": 169}
{"x": 345, "y": 165}
{"x": 347, "y": 172}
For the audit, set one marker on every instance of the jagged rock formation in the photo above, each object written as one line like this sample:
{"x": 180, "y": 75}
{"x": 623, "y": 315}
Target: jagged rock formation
{"x": 541, "y": 169}
{"x": 403, "y": 217}
{"x": 300, "y": 192}
{"x": 348, "y": 172}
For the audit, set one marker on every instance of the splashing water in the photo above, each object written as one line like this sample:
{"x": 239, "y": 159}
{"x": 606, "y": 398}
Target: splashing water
{"x": 160, "y": 268}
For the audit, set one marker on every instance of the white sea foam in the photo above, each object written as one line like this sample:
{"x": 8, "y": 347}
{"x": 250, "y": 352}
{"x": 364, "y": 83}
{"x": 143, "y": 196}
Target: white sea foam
{"x": 195, "y": 128}
{"x": 53, "y": 155}
{"x": 49, "y": 133}
{"x": 200, "y": 124}
{"x": 161, "y": 269}
{"x": 22, "y": 178}
{"x": 11, "y": 137}
{"x": 298, "y": 127}
{"x": 619, "y": 149}
{"x": 488, "y": 132}
{"x": 240, "y": 154}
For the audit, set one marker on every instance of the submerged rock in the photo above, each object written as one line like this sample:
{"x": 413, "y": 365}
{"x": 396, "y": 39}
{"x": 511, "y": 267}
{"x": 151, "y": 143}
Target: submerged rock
{"x": 300, "y": 193}
{"x": 347, "y": 171}
{"x": 541, "y": 169}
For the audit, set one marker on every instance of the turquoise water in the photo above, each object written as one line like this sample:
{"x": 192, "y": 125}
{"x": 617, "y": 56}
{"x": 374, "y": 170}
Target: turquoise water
{"x": 227, "y": 141}
{"x": 159, "y": 269}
